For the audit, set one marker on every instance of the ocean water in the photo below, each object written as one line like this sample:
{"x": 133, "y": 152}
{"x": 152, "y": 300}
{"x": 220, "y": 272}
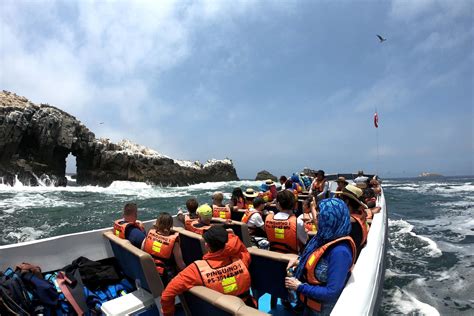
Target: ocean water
{"x": 431, "y": 230}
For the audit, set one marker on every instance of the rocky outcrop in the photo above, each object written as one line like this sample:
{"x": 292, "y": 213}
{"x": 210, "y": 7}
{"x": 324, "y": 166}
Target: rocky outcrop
{"x": 265, "y": 175}
{"x": 36, "y": 139}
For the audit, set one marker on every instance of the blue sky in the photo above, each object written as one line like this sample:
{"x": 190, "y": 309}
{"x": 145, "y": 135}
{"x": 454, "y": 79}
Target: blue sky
{"x": 276, "y": 85}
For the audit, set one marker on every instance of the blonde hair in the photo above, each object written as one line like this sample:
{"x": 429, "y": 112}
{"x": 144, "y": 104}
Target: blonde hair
{"x": 164, "y": 222}
{"x": 218, "y": 196}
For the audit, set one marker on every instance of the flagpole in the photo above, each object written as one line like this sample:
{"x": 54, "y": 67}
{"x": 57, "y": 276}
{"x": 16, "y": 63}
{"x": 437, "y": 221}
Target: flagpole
{"x": 377, "y": 142}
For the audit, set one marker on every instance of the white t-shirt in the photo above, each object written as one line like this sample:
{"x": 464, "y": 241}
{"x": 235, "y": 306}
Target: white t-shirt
{"x": 255, "y": 221}
{"x": 300, "y": 231}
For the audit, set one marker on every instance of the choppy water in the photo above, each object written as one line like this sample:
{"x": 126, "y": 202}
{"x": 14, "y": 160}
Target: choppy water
{"x": 430, "y": 257}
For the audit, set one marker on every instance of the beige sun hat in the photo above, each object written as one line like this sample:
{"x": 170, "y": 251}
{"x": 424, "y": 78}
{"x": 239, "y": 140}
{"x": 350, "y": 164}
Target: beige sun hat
{"x": 269, "y": 182}
{"x": 250, "y": 193}
{"x": 352, "y": 192}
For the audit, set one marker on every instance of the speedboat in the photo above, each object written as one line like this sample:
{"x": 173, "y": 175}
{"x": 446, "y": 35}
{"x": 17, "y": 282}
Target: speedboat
{"x": 361, "y": 295}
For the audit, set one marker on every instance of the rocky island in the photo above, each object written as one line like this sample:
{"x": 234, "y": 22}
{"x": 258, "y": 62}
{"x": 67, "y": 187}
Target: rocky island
{"x": 36, "y": 139}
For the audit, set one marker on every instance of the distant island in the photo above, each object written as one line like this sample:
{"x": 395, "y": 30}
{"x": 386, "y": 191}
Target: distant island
{"x": 429, "y": 175}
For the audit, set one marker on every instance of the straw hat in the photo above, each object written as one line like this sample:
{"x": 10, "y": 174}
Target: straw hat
{"x": 352, "y": 192}
{"x": 269, "y": 182}
{"x": 250, "y": 193}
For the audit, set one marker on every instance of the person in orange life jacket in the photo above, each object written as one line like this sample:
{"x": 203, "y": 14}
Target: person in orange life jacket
{"x": 163, "y": 245}
{"x": 272, "y": 188}
{"x": 192, "y": 205}
{"x": 129, "y": 227}
{"x": 289, "y": 185}
{"x": 309, "y": 216}
{"x": 284, "y": 231}
{"x": 226, "y": 252}
{"x": 237, "y": 201}
{"x": 249, "y": 194}
{"x": 320, "y": 186}
{"x": 219, "y": 210}
{"x": 351, "y": 195}
{"x": 370, "y": 200}
{"x": 324, "y": 266}
{"x": 203, "y": 222}
{"x": 254, "y": 218}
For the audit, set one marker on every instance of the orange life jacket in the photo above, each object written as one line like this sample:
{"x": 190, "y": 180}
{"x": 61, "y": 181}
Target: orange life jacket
{"x": 319, "y": 185}
{"x": 281, "y": 233}
{"x": 221, "y": 212}
{"x": 248, "y": 205}
{"x": 231, "y": 279}
{"x": 311, "y": 264}
{"x": 120, "y": 226}
{"x": 198, "y": 230}
{"x": 267, "y": 196}
{"x": 364, "y": 228}
{"x": 160, "y": 247}
{"x": 248, "y": 213}
{"x": 188, "y": 221}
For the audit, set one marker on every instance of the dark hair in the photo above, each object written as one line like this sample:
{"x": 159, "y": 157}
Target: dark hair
{"x": 257, "y": 202}
{"x": 307, "y": 202}
{"x": 368, "y": 193}
{"x": 192, "y": 205}
{"x": 283, "y": 178}
{"x": 129, "y": 209}
{"x": 216, "y": 237}
{"x": 236, "y": 194}
{"x": 320, "y": 172}
{"x": 286, "y": 199}
{"x": 164, "y": 222}
{"x": 289, "y": 184}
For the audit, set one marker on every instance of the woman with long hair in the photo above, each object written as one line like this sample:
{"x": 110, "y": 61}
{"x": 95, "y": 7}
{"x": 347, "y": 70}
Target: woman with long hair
{"x": 324, "y": 267}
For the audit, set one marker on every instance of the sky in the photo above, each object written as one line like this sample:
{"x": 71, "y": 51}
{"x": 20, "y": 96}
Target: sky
{"x": 274, "y": 85}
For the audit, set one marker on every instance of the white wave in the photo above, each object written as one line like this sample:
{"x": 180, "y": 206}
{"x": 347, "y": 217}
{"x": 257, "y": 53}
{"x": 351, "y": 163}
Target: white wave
{"x": 127, "y": 185}
{"x": 24, "y": 200}
{"x": 407, "y": 303}
{"x": 27, "y": 233}
{"x": 406, "y": 228}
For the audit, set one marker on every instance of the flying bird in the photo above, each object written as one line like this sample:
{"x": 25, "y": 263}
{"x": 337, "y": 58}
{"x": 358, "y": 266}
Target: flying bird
{"x": 381, "y": 39}
{"x": 101, "y": 123}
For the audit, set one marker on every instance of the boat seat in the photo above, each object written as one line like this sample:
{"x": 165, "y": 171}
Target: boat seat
{"x": 136, "y": 264}
{"x": 192, "y": 246}
{"x": 240, "y": 229}
{"x": 200, "y": 300}
{"x": 268, "y": 272}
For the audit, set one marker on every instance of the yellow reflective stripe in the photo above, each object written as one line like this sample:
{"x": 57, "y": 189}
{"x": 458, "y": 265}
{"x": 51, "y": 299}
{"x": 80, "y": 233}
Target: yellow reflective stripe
{"x": 117, "y": 232}
{"x": 280, "y": 233}
{"x": 222, "y": 214}
{"x": 156, "y": 247}
{"x": 229, "y": 285}
{"x": 311, "y": 260}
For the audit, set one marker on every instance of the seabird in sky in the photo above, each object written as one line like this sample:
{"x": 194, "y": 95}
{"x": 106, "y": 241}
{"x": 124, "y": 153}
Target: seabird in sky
{"x": 381, "y": 38}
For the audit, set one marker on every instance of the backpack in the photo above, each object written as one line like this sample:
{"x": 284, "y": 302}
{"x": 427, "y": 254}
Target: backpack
{"x": 14, "y": 296}
{"x": 93, "y": 274}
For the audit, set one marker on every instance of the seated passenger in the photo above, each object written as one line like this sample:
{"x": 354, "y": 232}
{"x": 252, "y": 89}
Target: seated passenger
{"x": 351, "y": 195}
{"x": 203, "y": 222}
{"x": 370, "y": 200}
{"x": 227, "y": 258}
{"x": 306, "y": 181}
{"x": 254, "y": 220}
{"x": 284, "y": 231}
{"x": 324, "y": 267}
{"x": 129, "y": 227}
{"x": 360, "y": 177}
{"x": 237, "y": 201}
{"x": 283, "y": 180}
{"x": 269, "y": 191}
{"x": 341, "y": 183}
{"x": 319, "y": 187}
{"x": 219, "y": 210}
{"x": 163, "y": 246}
{"x": 249, "y": 194}
{"x": 192, "y": 205}
{"x": 375, "y": 185}
{"x": 309, "y": 216}
{"x": 297, "y": 183}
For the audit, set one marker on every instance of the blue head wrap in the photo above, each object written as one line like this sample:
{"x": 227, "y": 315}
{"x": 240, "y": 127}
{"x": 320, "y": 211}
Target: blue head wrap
{"x": 333, "y": 222}
{"x": 264, "y": 187}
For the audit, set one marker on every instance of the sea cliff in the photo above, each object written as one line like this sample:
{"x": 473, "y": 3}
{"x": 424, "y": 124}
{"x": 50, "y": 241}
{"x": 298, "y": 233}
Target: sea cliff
{"x": 36, "y": 139}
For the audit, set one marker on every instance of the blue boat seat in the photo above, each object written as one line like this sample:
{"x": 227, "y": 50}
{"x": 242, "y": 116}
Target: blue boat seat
{"x": 201, "y": 300}
{"x": 240, "y": 229}
{"x": 136, "y": 264}
{"x": 192, "y": 246}
{"x": 268, "y": 272}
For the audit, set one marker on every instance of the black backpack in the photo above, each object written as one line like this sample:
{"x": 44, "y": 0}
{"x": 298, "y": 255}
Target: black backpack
{"x": 14, "y": 297}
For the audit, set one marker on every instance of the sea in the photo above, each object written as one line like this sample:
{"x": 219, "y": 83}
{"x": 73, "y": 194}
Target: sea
{"x": 430, "y": 262}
